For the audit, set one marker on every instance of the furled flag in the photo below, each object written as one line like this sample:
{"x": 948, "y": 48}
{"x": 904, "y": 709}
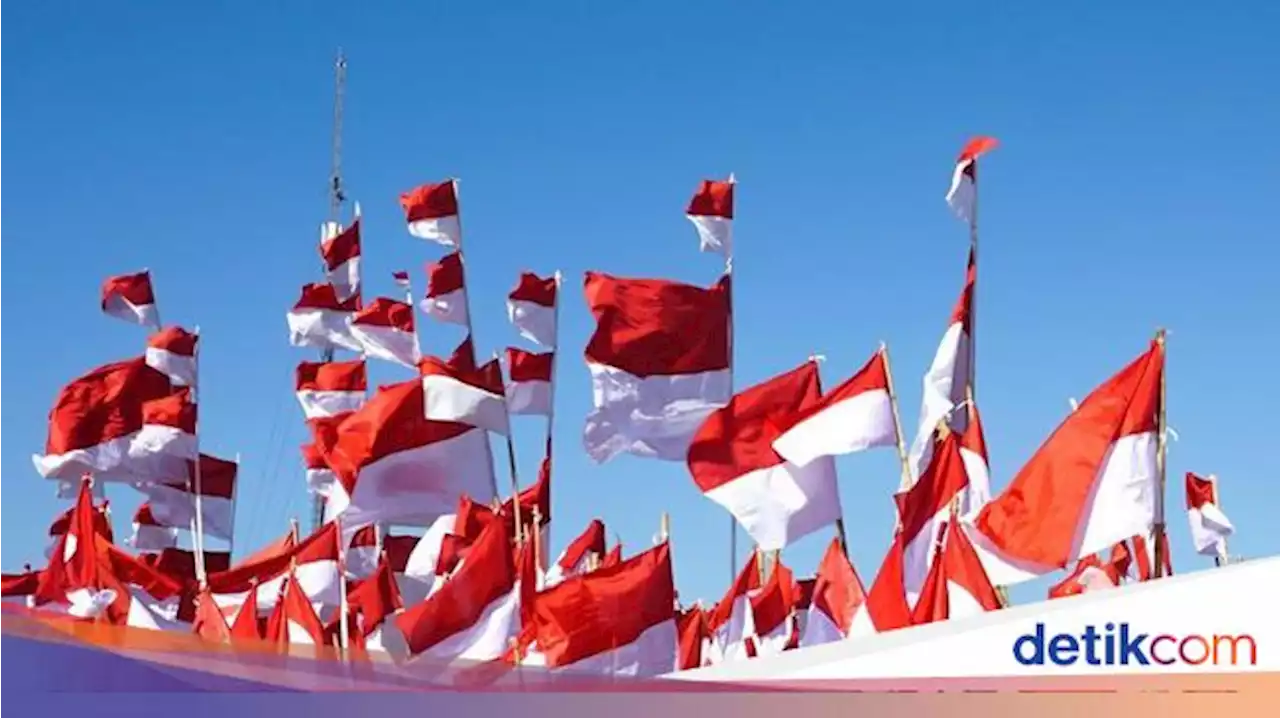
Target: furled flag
{"x": 1209, "y": 526}
{"x": 855, "y": 416}
{"x": 772, "y": 611}
{"x": 1091, "y": 485}
{"x": 341, "y": 255}
{"x": 173, "y": 351}
{"x": 730, "y": 622}
{"x": 973, "y": 449}
{"x": 733, "y": 462}
{"x": 385, "y": 331}
{"x": 446, "y": 297}
{"x": 130, "y": 297}
{"x": 397, "y": 466}
{"x": 963, "y": 195}
{"x": 332, "y": 388}
{"x": 659, "y": 363}
{"x": 529, "y": 390}
{"x": 531, "y": 307}
{"x": 401, "y": 278}
{"x": 711, "y": 211}
{"x": 321, "y": 320}
{"x": 946, "y": 384}
{"x": 432, "y": 213}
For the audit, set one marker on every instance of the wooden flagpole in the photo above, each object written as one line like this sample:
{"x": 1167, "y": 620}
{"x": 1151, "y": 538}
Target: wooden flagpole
{"x": 897, "y": 421}
{"x": 1158, "y": 527}
{"x": 551, "y": 417}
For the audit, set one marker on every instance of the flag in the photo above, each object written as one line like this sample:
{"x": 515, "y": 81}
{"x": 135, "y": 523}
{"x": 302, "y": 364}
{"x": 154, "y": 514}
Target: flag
{"x": 385, "y": 331}
{"x": 531, "y": 307}
{"x": 855, "y": 416}
{"x": 431, "y": 212}
{"x": 320, "y": 320}
{"x": 1210, "y": 528}
{"x": 130, "y": 297}
{"x": 963, "y": 194}
{"x": 711, "y": 211}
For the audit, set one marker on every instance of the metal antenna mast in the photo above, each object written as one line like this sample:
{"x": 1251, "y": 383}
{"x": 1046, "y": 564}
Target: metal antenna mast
{"x": 336, "y": 199}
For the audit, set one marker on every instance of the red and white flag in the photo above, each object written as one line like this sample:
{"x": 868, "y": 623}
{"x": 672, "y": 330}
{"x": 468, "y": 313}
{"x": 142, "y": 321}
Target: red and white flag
{"x": 531, "y": 307}
{"x": 395, "y": 465}
{"x": 1144, "y": 550}
{"x": 946, "y": 384}
{"x": 316, "y": 560}
{"x": 446, "y": 297}
{"x": 973, "y": 449}
{"x": 1091, "y": 485}
{"x": 659, "y": 363}
{"x": 149, "y": 534}
{"x": 294, "y": 620}
{"x": 431, "y": 212}
{"x": 320, "y": 320}
{"x": 341, "y": 255}
{"x": 730, "y": 623}
{"x": 401, "y": 278}
{"x": 62, "y": 524}
{"x": 963, "y": 194}
{"x": 130, "y": 297}
{"x": 95, "y": 419}
{"x": 167, "y": 438}
{"x": 855, "y": 416}
{"x": 174, "y": 503}
{"x": 711, "y": 211}
{"x": 1089, "y": 575}
{"x": 476, "y": 398}
{"x": 385, "y": 331}
{"x": 331, "y": 388}
{"x": 923, "y": 511}
{"x": 1210, "y": 528}
{"x": 173, "y": 351}
{"x": 320, "y": 477}
{"x": 475, "y": 614}
{"x": 838, "y": 595}
{"x": 772, "y": 612}
{"x": 529, "y": 391}
{"x": 956, "y": 587}
{"x": 580, "y": 556}
{"x": 618, "y": 621}
{"x": 733, "y": 462}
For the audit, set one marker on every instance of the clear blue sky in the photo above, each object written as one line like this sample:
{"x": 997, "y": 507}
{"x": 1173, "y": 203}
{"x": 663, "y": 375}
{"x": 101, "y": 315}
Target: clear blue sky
{"x": 1131, "y": 191}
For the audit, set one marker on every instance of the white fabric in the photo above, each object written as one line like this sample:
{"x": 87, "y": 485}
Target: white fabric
{"x": 345, "y": 279}
{"x": 944, "y": 386}
{"x": 450, "y": 308}
{"x": 417, "y": 486}
{"x": 319, "y": 581}
{"x": 728, "y": 641}
{"x": 653, "y": 417}
{"x": 653, "y": 653}
{"x": 1210, "y": 529}
{"x": 181, "y": 369}
{"x": 172, "y": 506}
{"x": 120, "y": 308}
{"x": 485, "y": 640}
{"x": 114, "y": 460}
{"x": 320, "y": 404}
{"x": 320, "y": 481}
{"x": 778, "y": 505}
{"x": 919, "y": 553}
{"x": 978, "y": 493}
{"x": 1121, "y": 506}
{"x": 322, "y": 329}
{"x": 153, "y": 538}
{"x": 961, "y": 194}
{"x": 443, "y": 230}
{"x": 388, "y": 343}
{"x": 529, "y": 397}
{"x": 147, "y": 612}
{"x": 715, "y": 234}
{"x": 858, "y": 423}
{"x": 533, "y": 321}
{"x": 819, "y": 628}
{"x": 447, "y": 399}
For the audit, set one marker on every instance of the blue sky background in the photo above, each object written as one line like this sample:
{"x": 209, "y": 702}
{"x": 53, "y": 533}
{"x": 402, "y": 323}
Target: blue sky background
{"x": 1135, "y": 187}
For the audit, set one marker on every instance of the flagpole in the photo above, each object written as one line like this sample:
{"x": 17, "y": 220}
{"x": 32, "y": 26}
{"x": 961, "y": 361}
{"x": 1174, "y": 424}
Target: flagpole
{"x": 1223, "y": 558}
{"x": 1158, "y": 528}
{"x": 973, "y": 291}
{"x": 555, "y": 364}
{"x": 897, "y": 420}
{"x": 235, "y": 505}
{"x": 197, "y": 487}
{"x": 511, "y": 462}
{"x": 733, "y": 521}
